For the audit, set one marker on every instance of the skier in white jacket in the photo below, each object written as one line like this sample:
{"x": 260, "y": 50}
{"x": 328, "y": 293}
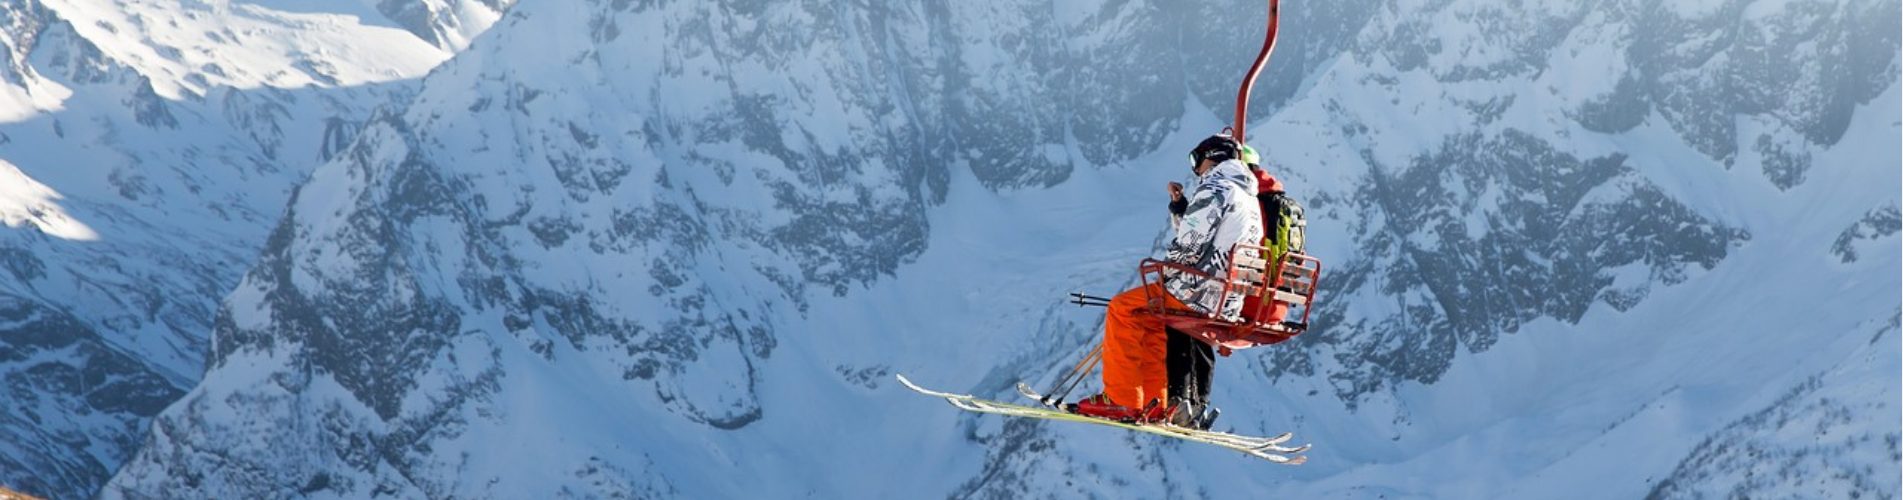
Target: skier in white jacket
{"x": 1221, "y": 212}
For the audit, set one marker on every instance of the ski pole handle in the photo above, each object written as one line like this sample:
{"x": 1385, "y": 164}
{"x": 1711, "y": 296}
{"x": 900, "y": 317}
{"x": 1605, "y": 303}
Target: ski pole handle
{"x": 1088, "y": 300}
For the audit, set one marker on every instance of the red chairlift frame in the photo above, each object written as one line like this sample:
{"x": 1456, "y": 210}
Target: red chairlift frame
{"x": 1291, "y": 282}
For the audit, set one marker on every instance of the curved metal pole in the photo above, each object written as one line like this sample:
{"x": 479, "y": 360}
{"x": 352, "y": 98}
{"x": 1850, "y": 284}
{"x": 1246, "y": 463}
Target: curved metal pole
{"x": 1248, "y": 81}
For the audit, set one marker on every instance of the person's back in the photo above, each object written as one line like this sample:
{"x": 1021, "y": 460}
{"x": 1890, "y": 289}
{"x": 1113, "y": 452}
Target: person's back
{"x": 1273, "y": 202}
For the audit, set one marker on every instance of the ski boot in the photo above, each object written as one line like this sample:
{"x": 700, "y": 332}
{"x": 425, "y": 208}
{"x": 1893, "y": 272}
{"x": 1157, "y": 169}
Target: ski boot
{"x": 1193, "y": 415}
{"x": 1099, "y": 406}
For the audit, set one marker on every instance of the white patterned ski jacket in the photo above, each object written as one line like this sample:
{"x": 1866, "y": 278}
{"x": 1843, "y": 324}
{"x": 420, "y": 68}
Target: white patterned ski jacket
{"x": 1222, "y": 212}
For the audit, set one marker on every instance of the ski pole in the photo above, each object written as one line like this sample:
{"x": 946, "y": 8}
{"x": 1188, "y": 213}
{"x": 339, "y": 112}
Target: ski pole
{"x": 1077, "y": 375}
{"x": 1058, "y": 389}
{"x": 1088, "y": 300}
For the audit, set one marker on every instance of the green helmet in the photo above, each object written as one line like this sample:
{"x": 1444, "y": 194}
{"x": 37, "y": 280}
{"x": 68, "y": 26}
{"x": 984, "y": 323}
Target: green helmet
{"x": 1249, "y": 157}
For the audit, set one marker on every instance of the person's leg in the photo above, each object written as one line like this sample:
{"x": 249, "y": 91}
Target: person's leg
{"x": 1203, "y": 363}
{"x": 1182, "y": 384}
{"x": 1134, "y": 367}
{"x": 1190, "y": 364}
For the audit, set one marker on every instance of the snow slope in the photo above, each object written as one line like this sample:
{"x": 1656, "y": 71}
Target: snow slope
{"x": 642, "y": 249}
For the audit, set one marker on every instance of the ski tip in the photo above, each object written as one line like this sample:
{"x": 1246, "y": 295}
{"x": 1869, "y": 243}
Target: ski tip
{"x": 1032, "y": 394}
{"x": 921, "y": 390}
{"x": 1280, "y": 458}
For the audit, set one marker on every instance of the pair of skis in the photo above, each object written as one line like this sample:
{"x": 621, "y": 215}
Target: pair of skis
{"x": 1272, "y": 449}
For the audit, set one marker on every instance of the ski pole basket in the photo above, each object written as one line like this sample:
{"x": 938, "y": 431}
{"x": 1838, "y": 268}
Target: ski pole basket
{"x": 1270, "y": 293}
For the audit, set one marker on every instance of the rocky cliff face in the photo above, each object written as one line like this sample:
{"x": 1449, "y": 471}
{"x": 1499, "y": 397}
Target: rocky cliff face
{"x": 1479, "y": 229}
{"x": 597, "y": 253}
{"x": 146, "y": 151}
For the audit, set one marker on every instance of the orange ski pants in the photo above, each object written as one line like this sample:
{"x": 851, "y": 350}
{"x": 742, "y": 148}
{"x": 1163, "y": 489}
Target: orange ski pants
{"x": 1135, "y": 348}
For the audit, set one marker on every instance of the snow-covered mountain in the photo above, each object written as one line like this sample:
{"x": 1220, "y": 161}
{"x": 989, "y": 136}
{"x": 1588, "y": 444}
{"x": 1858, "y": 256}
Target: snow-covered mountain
{"x": 146, "y": 149}
{"x": 644, "y": 248}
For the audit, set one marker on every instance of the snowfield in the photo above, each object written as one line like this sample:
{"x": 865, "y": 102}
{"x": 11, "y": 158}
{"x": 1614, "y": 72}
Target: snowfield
{"x": 610, "y": 249}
